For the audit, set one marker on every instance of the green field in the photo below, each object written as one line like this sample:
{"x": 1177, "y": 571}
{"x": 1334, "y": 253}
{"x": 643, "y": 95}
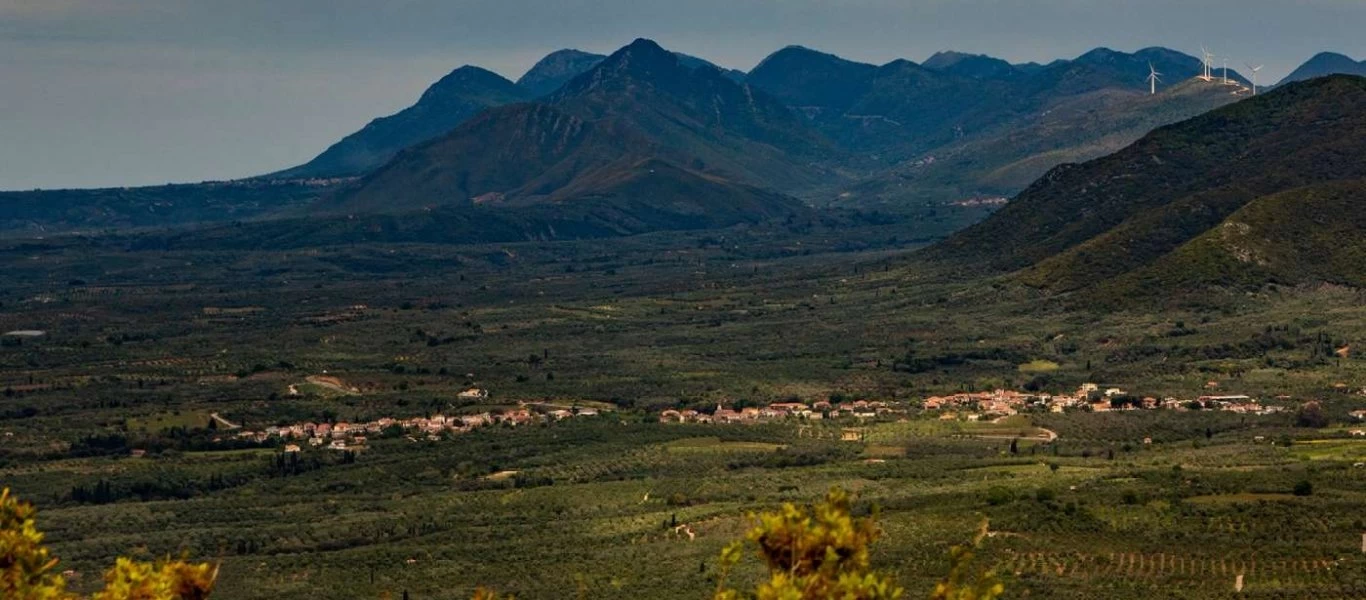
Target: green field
{"x": 746, "y": 317}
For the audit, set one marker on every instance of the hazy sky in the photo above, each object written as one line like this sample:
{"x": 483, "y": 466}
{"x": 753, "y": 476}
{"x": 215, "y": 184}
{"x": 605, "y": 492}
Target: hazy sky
{"x": 133, "y": 92}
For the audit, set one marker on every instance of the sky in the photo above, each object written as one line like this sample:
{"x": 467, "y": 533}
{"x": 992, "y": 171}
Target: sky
{"x": 105, "y": 93}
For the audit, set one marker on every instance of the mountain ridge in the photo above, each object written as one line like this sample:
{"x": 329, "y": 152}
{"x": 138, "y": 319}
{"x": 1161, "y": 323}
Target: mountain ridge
{"x": 445, "y": 104}
{"x": 710, "y": 141}
{"x": 1083, "y": 225}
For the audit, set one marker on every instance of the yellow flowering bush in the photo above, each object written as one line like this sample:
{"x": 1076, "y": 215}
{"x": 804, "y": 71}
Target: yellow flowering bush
{"x": 822, "y": 553}
{"x": 28, "y": 571}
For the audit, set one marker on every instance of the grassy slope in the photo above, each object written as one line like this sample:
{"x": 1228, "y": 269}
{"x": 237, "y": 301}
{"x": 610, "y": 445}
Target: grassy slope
{"x": 1299, "y": 236}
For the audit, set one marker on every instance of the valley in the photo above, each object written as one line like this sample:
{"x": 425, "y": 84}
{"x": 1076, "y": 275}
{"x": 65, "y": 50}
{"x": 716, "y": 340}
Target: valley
{"x": 112, "y": 435}
{"x": 568, "y": 335}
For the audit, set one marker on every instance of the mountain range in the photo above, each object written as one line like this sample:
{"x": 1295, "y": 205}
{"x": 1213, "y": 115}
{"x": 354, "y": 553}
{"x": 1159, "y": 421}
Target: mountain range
{"x": 642, "y": 133}
{"x": 856, "y": 132}
{"x": 641, "y": 127}
{"x": 1271, "y": 189}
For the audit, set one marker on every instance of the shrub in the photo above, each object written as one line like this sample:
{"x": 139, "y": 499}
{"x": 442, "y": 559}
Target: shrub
{"x": 822, "y": 552}
{"x": 1311, "y": 415}
{"x": 999, "y": 495}
{"x": 28, "y": 572}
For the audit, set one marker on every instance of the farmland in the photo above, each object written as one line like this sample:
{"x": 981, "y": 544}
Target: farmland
{"x": 142, "y": 346}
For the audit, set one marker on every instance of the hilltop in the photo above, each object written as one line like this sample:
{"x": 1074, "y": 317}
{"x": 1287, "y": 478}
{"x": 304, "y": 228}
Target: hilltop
{"x": 1326, "y": 63}
{"x": 1232, "y": 196}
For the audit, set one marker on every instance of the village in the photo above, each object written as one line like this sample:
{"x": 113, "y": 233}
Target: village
{"x": 977, "y": 406}
{"x": 344, "y": 436}
{"x": 965, "y": 406}
{"x": 1088, "y": 397}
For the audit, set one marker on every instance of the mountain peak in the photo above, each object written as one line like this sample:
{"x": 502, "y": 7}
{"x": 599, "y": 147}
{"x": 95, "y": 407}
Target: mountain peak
{"x": 801, "y": 76}
{"x": 463, "y": 78}
{"x": 968, "y": 65}
{"x": 457, "y": 96}
{"x": 796, "y": 53}
{"x": 642, "y": 50}
{"x": 556, "y": 69}
{"x": 947, "y": 58}
{"x": 642, "y": 60}
{"x": 1326, "y": 63}
{"x": 1333, "y": 56}
{"x": 1100, "y": 55}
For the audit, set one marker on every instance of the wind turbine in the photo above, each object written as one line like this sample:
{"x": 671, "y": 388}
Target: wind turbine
{"x": 1225, "y": 70}
{"x": 1206, "y": 57}
{"x": 1153, "y": 78}
{"x": 1254, "y": 76}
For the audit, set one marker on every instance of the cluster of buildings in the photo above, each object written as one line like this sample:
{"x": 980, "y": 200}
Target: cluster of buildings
{"x": 1089, "y": 397}
{"x": 863, "y": 409}
{"x": 979, "y": 406}
{"x": 350, "y": 436}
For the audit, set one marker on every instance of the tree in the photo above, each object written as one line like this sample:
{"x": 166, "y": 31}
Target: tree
{"x": 1304, "y": 488}
{"x": 28, "y": 572}
{"x": 1311, "y": 415}
{"x": 998, "y": 495}
{"x": 822, "y": 552}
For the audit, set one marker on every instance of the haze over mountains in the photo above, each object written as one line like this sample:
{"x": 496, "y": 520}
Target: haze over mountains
{"x": 648, "y": 139}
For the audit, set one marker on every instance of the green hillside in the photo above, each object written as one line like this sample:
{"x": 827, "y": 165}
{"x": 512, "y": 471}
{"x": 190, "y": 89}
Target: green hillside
{"x": 1081, "y": 225}
{"x": 1305, "y": 235}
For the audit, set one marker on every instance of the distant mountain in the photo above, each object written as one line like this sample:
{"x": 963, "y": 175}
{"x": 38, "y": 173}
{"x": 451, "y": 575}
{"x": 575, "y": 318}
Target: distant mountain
{"x": 977, "y": 66}
{"x": 43, "y": 212}
{"x": 963, "y": 125}
{"x": 641, "y": 131}
{"x": 1266, "y": 190}
{"x": 901, "y": 136}
{"x": 1326, "y": 63}
{"x": 556, "y": 69}
{"x": 811, "y": 80}
{"x": 1002, "y": 160}
{"x": 447, "y": 103}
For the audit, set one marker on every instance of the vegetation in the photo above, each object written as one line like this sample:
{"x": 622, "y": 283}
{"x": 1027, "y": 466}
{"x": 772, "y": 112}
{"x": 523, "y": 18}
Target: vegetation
{"x": 138, "y": 359}
{"x": 820, "y": 553}
{"x": 1132, "y": 223}
{"x": 28, "y": 572}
